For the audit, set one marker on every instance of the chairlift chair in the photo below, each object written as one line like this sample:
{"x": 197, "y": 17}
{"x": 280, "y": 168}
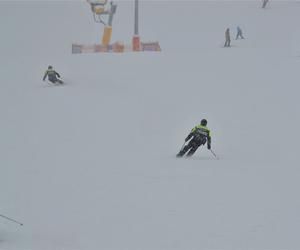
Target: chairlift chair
{"x": 97, "y": 6}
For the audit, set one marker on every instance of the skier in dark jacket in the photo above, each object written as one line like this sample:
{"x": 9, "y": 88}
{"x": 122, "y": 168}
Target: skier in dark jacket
{"x": 200, "y": 135}
{"x": 52, "y": 75}
{"x": 239, "y": 33}
{"x": 227, "y": 38}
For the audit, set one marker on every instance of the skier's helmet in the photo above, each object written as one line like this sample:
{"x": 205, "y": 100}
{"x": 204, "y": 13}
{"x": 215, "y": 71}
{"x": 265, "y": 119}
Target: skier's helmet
{"x": 50, "y": 67}
{"x": 203, "y": 122}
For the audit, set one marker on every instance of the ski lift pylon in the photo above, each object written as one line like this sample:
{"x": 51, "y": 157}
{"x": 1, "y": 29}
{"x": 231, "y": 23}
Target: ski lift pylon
{"x": 99, "y": 10}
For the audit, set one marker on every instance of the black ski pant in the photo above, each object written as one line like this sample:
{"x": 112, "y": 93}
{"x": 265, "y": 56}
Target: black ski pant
{"x": 191, "y": 147}
{"x": 239, "y": 35}
{"x": 54, "y": 80}
{"x": 227, "y": 43}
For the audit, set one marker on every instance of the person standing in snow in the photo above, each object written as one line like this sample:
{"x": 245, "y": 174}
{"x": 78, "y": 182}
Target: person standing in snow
{"x": 200, "y": 135}
{"x": 52, "y": 75}
{"x": 239, "y": 33}
{"x": 227, "y": 38}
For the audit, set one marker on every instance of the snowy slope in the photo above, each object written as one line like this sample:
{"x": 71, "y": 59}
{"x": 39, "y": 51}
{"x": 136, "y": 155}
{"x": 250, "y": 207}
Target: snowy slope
{"x": 90, "y": 165}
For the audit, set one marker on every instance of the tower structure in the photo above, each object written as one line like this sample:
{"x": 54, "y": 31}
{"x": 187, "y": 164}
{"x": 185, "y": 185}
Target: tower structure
{"x": 136, "y": 42}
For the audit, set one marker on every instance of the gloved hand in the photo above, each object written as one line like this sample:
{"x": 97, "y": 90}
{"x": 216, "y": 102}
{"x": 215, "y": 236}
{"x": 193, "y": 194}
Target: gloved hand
{"x": 208, "y": 146}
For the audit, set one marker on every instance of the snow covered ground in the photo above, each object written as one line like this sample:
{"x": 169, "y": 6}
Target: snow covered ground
{"x": 91, "y": 164}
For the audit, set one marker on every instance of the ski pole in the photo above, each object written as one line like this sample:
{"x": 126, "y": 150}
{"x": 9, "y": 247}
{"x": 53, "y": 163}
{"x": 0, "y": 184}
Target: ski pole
{"x": 214, "y": 154}
{"x": 10, "y": 219}
{"x": 182, "y": 146}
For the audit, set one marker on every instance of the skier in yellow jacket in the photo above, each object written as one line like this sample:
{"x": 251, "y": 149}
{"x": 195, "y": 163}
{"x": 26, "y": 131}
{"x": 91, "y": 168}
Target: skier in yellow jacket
{"x": 200, "y": 135}
{"x": 52, "y": 75}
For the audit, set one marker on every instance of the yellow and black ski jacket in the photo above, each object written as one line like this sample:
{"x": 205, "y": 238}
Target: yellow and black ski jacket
{"x": 52, "y": 74}
{"x": 200, "y": 133}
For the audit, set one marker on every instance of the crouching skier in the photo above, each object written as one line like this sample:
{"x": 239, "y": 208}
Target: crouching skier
{"x": 52, "y": 76}
{"x": 200, "y": 135}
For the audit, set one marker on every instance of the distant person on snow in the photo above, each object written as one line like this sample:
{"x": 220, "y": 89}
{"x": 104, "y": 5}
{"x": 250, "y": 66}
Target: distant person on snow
{"x": 227, "y": 38}
{"x": 239, "y": 33}
{"x": 200, "y": 135}
{"x": 52, "y": 75}
{"x": 265, "y": 3}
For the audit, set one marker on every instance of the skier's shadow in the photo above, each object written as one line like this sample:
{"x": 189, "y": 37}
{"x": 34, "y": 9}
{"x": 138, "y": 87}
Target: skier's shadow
{"x": 51, "y": 85}
{"x": 231, "y": 46}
